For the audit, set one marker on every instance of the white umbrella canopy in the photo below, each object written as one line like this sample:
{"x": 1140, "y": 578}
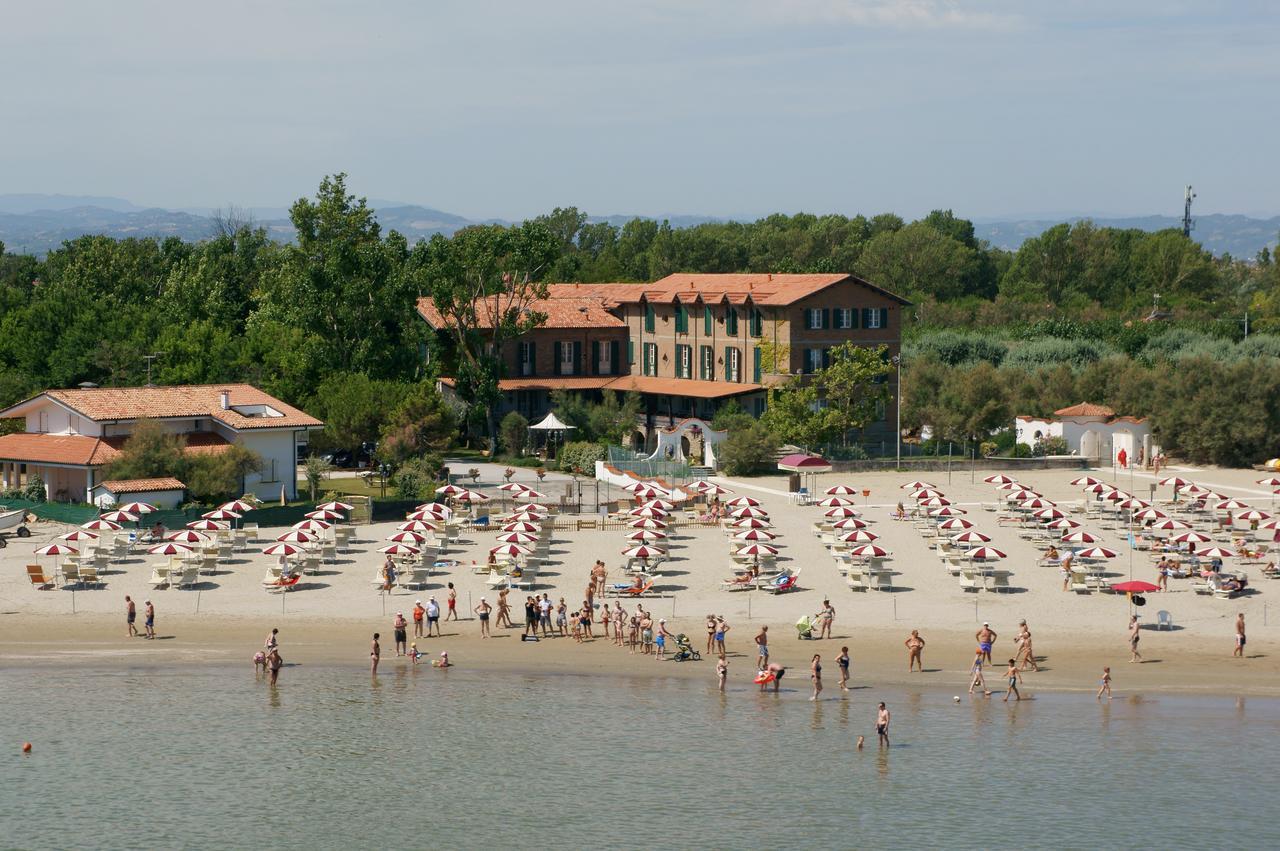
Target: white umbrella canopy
{"x": 512, "y": 487}
{"x": 1021, "y": 495}
{"x": 648, "y": 512}
{"x": 643, "y": 551}
{"x": 1037, "y": 502}
{"x": 1170, "y": 524}
{"x": 101, "y": 525}
{"x": 511, "y": 550}
{"x": 551, "y": 423}
{"x": 220, "y": 514}
{"x": 647, "y": 523}
{"x": 207, "y": 526}
{"x": 749, "y": 511}
{"x": 935, "y": 502}
{"x": 1049, "y": 514}
{"x": 400, "y": 550}
{"x": 450, "y": 490}
{"x": 56, "y": 550}
{"x": 1191, "y": 538}
{"x": 841, "y": 490}
{"x": 754, "y": 535}
{"x": 471, "y": 496}
{"x": 533, "y": 507}
{"x": 435, "y": 508}
{"x": 849, "y": 523}
{"x": 282, "y": 549}
{"x": 1012, "y": 486}
{"x": 1063, "y": 523}
{"x": 925, "y": 493}
{"x": 323, "y": 514}
{"x": 1252, "y": 515}
{"x": 424, "y": 514}
{"x": 1230, "y": 505}
{"x": 531, "y": 494}
{"x": 947, "y": 511}
{"x": 659, "y": 503}
{"x": 713, "y": 489}
{"x": 528, "y": 517}
{"x": 1149, "y": 514}
{"x": 1101, "y": 488}
{"x": 242, "y": 506}
{"x": 1086, "y": 481}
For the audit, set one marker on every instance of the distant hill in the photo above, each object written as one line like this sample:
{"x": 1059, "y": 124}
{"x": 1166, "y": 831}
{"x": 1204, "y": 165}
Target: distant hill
{"x": 35, "y": 224}
{"x": 1239, "y": 236}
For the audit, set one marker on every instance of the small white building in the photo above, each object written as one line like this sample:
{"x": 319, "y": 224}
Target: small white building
{"x": 163, "y": 493}
{"x": 1092, "y": 431}
{"x": 71, "y": 434}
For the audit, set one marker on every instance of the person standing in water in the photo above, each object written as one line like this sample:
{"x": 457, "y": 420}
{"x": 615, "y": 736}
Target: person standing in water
{"x": 915, "y": 651}
{"x": 1239, "y": 651}
{"x": 1134, "y": 637}
{"x": 399, "y": 627}
{"x": 1025, "y": 651}
{"x": 375, "y": 654}
{"x": 274, "y": 664}
{"x": 882, "y": 725}
{"x": 1013, "y": 677}
{"x": 843, "y": 661}
{"x": 815, "y": 675}
{"x": 722, "y": 671}
{"x": 1106, "y": 684}
{"x": 976, "y": 671}
{"x": 483, "y": 611}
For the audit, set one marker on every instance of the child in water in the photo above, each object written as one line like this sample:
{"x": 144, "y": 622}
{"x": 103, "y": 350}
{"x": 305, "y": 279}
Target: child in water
{"x": 1106, "y": 684}
{"x": 414, "y": 654}
{"x": 976, "y": 670}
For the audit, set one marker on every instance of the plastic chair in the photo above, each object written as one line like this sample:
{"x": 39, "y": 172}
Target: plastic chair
{"x": 1164, "y": 620}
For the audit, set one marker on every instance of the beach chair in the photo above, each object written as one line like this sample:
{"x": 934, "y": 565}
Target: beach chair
{"x": 89, "y": 575}
{"x": 417, "y": 578}
{"x": 239, "y": 540}
{"x": 276, "y": 585}
{"x": 159, "y": 577}
{"x": 250, "y": 532}
{"x": 342, "y": 536}
{"x": 999, "y": 581}
{"x": 188, "y": 578}
{"x": 70, "y": 574}
{"x": 311, "y": 564}
{"x": 35, "y": 573}
{"x": 1079, "y": 583}
{"x": 1164, "y": 620}
{"x": 881, "y": 580}
{"x": 495, "y": 580}
{"x": 859, "y": 580}
{"x": 969, "y": 580}
{"x": 638, "y": 592}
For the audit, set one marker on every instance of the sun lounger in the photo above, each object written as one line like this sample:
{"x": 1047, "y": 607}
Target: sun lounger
{"x": 159, "y": 577}
{"x": 969, "y": 580}
{"x": 35, "y": 573}
{"x": 417, "y": 578}
{"x": 274, "y": 585}
{"x": 89, "y": 575}
{"x": 1080, "y": 583}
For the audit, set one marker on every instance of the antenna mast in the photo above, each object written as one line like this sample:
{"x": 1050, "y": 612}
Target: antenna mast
{"x": 1187, "y": 224}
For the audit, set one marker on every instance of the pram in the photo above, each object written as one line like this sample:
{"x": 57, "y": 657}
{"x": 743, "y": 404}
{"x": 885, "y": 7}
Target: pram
{"x": 684, "y": 650}
{"x": 806, "y": 625}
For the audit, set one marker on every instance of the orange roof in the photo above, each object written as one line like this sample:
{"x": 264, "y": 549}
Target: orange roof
{"x": 1085, "y": 409}
{"x": 194, "y": 442}
{"x": 76, "y": 450}
{"x": 549, "y": 382}
{"x": 775, "y": 290}
{"x": 142, "y": 485}
{"x": 198, "y": 400}
{"x": 681, "y": 386}
{"x": 562, "y": 311}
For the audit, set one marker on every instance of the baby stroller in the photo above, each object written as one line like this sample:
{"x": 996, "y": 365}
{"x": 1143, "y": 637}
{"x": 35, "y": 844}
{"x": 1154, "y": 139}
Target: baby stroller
{"x": 684, "y": 650}
{"x": 805, "y": 626}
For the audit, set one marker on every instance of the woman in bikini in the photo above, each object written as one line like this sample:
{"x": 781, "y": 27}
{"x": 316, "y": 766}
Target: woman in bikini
{"x": 711, "y": 632}
{"x": 915, "y": 651}
{"x": 815, "y": 675}
{"x": 976, "y": 671}
{"x": 375, "y": 653}
{"x": 827, "y": 618}
{"x": 504, "y": 608}
{"x": 843, "y": 662}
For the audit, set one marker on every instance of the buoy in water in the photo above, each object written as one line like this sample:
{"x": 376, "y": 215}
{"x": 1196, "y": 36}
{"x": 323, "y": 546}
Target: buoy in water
{"x": 26, "y": 747}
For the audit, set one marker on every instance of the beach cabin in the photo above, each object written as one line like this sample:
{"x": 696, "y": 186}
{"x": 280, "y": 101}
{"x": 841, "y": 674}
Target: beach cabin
{"x": 1094, "y": 432}
{"x": 71, "y": 434}
{"x": 162, "y": 493}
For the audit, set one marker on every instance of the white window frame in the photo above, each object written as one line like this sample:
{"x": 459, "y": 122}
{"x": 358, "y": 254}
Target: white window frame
{"x": 814, "y": 358}
{"x": 566, "y": 358}
{"x": 844, "y": 318}
{"x": 526, "y": 358}
{"x": 606, "y": 357}
{"x": 873, "y": 318}
{"x": 686, "y": 361}
{"x": 812, "y": 318}
{"x": 708, "y": 363}
{"x": 652, "y": 348}
{"x": 734, "y": 365}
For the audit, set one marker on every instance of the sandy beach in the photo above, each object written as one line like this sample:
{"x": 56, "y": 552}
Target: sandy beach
{"x": 330, "y": 618}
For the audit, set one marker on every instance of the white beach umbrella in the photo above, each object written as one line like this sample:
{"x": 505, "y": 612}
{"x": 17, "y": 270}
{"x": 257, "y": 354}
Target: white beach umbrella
{"x": 1216, "y": 552}
{"x": 517, "y": 538}
{"x": 947, "y": 511}
{"x": 1086, "y": 481}
{"x": 1191, "y": 538}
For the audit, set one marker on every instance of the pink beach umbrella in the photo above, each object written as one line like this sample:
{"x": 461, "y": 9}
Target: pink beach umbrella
{"x": 282, "y": 549}
{"x": 858, "y": 536}
{"x": 521, "y": 526}
{"x": 971, "y": 537}
{"x": 742, "y": 501}
{"x": 79, "y": 535}
{"x": 999, "y": 479}
{"x": 188, "y": 536}
{"x": 644, "y": 551}
{"x": 841, "y": 511}
{"x": 239, "y": 505}
{"x": 517, "y": 538}
{"x": 207, "y": 525}
{"x": 420, "y": 526}
{"x": 101, "y": 525}
{"x": 119, "y": 517}
{"x": 869, "y": 551}
{"x": 849, "y": 523}
{"x": 833, "y": 501}
{"x": 759, "y": 523}
{"x": 296, "y": 536}
{"x": 647, "y": 535}
{"x": 985, "y": 553}
{"x": 316, "y": 526}
{"x": 1081, "y": 537}
{"x": 169, "y": 548}
{"x": 332, "y": 505}
{"x": 841, "y": 490}
{"x": 955, "y": 523}
{"x": 754, "y": 535}
{"x": 647, "y": 523}
{"x": 403, "y": 537}
{"x": 137, "y": 507}
{"x": 399, "y": 549}
{"x": 323, "y": 514}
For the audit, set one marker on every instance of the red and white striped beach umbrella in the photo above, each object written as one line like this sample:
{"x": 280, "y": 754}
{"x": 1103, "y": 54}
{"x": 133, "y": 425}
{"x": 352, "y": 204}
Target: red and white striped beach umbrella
{"x": 947, "y": 511}
{"x": 1117, "y": 496}
{"x": 1081, "y": 537}
{"x": 955, "y": 523}
{"x": 424, "y": 514}
{"x": 849, "y": 523}
{"x": 985, "y": 553}
{"x": 207, "y": 526}
{"x": 332, "y": 505}
{"x": 119, "y": 517}
{"x": 925, "y": 493}
{"x": 282, "y": 549}
{"x": 1037, "y": 502}
{"x": 1273, "y": 523}
{"x": 1085, "y": 481}
{"x": 512, "y": 487}
{"x": 915, "y": 486}
{"x": 79, "y": 535}
{"x": 999, "y": 479}
{"x": 1048, "y": 514}
{"x": 1209, "y": 496}
{"x": 188, "y": 536}
{"x": 857, "y": 536}
{"x": 527, "y": 517}
{"x": 316, "y": 526}
{"x": 1169, "y": 524}
{"x": 296, "y": 536}
{"x": 510, "y": 550}
{"x": 658, "y": 503}
{"x": 137, "y": 507}
{"x": 644, "y": 551}
{"x": 647, "y": 523}
{"x": 420, "y": 526}
{"x": 414, "y": 538}
{"x": 1149, "y": 514}
{"x": 757, "y": 550}
{"x": 841, "y": 511}
{"x": 759, "y": 523}
{"x": 1021, "y": 495}
{"x": 101, "y": 525}
{"x": 1101, "y": 488}
{"x": 1230, "y": 505}
{"x": 648, "y": 512}
{"x": 742, "y": 501}
{"x": 521, "y": 526}
{"x": 323, "y": 514}
{"x": 935, "y": 502}
{"x": 754, "y": 535}
{"x": 531, "y": 508}
{"x": 531, "y": 494}
{"x": 220, "y": 514}
{"x": 1176, "y": 482}
{"x": 642, "y": 535}
{"x": 971, "y": 537}
{"x": 169, "y": 548}
{"x": 1191, "y": 538}
{"x": 833, "y": 501}
{"x": 650, "y": 492}
{"x": 435, "y": 508}
{"x": 1133, "y": 504}
{"x": 713, "y": 489}
{"x": 1216, "y": 552}
{"x": 1063, "y": 523}
{"x": 1253, "y": 515}
{"x": 1271, "y": 482}
{"x": 1011, "y": 486}
{"x": 240, "y": 505}
{"x": 471, "y": 496}
{"x": 450, "y": 490}
{"x": 400, "y": 550}
{"x": 869, "y": 551}
{"x": 56, "y": 550}
{"x": 516, "y": 538}
{"x": 749, "y": 511}
{"x": 841, "y": 490}
{"x": 1097, "y": 552}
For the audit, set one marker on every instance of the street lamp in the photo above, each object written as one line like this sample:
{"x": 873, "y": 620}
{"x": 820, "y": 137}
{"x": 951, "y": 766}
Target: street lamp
{"x": 897, "y": 406}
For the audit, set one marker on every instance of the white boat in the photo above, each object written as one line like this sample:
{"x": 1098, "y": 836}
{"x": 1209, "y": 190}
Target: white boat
{"x": 9, "y": 519}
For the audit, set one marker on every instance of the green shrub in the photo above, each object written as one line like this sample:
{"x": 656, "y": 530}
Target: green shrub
{"x": 957, "y": 348}
{"x": 1259, "y": 346}
{"x": 746, "y": 451}
{"x": 513, "y": 434}
{"x": 34, "y": 490}
{"x": 1053, "y": 351}
{"x": 1051, "y": 446}
{"x": 416, "y": 478}
{"x": 988, "y": 448}
{"x": 581, "y": 457}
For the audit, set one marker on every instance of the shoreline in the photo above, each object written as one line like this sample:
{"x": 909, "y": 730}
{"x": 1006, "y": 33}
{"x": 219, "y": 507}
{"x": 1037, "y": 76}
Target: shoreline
{"x": 1176, "y": 668}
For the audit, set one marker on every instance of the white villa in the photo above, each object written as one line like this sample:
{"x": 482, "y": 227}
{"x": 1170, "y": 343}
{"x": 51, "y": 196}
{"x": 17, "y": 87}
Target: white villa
{"x": 1092, "y": 431}
{"x": 71, "y": 434}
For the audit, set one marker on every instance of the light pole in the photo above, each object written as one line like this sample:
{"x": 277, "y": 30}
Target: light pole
{"x": 897, "y": 405}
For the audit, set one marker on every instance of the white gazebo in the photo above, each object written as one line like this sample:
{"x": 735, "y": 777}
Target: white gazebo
{"x": 551, "y": 426}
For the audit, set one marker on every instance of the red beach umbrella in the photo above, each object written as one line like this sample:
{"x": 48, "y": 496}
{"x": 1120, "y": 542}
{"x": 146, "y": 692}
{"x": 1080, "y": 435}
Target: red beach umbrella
{"x": 56, "y": 550}
{"x": 220, "y": 514}
{"x": 243, "y": 506}
{"x": 451, "y": 490}
{"x": 420, "y": 526}
{"x": 323, "y": 514}
{"x": 1215, "y": 552}
{"x": 1135, "y": 586}
{"x": 1150, "y": 514}
{"x": 1252, "y": 515}
{"x": 517, "y": 538}
{"x": 947, "y": 511}
{"x": 316, "y": 526}
{"x": 749, "y": 511}
{"x": 647, "y": 535}
{"x": 1049, "y": 514}
{"x": 915, "y": 486}
{"x": 521, "y": 526}
{"x": 1170, "y": 524}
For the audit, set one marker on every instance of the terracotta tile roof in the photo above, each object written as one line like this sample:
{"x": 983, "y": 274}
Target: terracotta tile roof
{"x": 563, "y": 311}
{"x": 774, "y": 290}
{"x": 681, "y": 386}
{"x": 131, "y": 403}
{"x": 77, "y": 450}
{"x": 142, "y": 485}
{"x": 611, "y": 295}
{"x": 197, "y": 442}
{"x": 549, "y": 382}
{"x": 1085, "y": 409}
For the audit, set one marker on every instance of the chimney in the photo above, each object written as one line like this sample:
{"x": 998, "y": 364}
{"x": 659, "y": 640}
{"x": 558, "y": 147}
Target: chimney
{"x": 224, "y": 399}
{"x": 771, "y": 276}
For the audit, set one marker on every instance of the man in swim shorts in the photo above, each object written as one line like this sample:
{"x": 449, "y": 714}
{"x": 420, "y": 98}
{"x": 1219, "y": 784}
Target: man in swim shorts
{"x": 130, "y": 615}
{"x": 986, "y": 638}
{"x": 483, "y": 611}
{"x": 1240, "y": 635}
{"x": 882, "y": 724}
{"x": 762, "y": 647}
{"x": 433, "y": 617}
{"x": 149, "y": 613}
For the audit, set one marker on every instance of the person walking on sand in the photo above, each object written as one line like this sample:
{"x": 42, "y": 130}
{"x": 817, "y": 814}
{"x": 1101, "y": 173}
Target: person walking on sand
{"x": 762, "y": 647}
{"x": 433, "y": 617}
{"x": 815, "y": 675}
{"x": 722, "y": 629}
{"x": 418, "y": 614}
{"x": 530, "y": 618}
{"x": 1106, "y": 684}
{"x": 826, "y": 619}
{"x": 1239, "y": 651}
{"x": 977, "y": 679}
{"x": 399, "y": 627}
{"x": 722, "y": 671}
{"x": 1013, "y": 677}
{"x": 483, "y": 611}
{"x": 660, "y": 640}
{"x": 915, "y": 651}
{"x": 149, "y": 619}
{"x": 842, "y": 661}
{"x": 453, "y": 604}
{"x": 882, "y": 725}
{"x": 1025, "y": 652}
{"x": 504, "y": 608}
{"x": 986, "y": 640}
{"x": 274, "y": 664}
{"x": 375, "y": 654}
{"x": 131, "y": 615}
{"x": 1134, "y": 637}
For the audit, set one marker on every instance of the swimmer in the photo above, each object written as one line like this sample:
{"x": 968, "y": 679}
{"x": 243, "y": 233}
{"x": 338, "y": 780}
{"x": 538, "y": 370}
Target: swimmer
{"x": 375, "y": 654}
{"x": 275, "y": 663}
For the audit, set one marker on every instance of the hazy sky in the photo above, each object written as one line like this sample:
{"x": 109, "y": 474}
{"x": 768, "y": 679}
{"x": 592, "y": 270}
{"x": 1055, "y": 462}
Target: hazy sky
{"x": 723, "y": 107}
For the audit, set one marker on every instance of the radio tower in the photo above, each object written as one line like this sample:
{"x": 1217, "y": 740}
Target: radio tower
{"x": 1187, "y": 223}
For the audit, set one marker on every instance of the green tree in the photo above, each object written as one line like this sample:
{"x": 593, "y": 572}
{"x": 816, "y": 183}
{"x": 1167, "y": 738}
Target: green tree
{"x": 423, "y": 422}
{"x": 514, "y": 432}
{"x": 746, "y": 451}
{"x": 416, "y": 478}
{"x": 792, "y": 415}
{"x": 614, "y": 417}
{"x": 151, "y": 452}
{"x": 853, "y": 388}
{"x": 316, "y": 470}
{"x": 354, "y": 408}
{"x": 216, "y": 476}
{"x": 917, "y": 261}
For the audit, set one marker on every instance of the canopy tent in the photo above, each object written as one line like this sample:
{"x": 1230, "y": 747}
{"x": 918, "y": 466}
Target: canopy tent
{"x": 551, "y": 426}
{"x": 805, "y": 465}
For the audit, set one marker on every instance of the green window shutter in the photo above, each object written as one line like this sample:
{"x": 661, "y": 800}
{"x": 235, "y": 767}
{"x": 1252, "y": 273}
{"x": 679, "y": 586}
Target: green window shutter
{"x": 826, "y": 318}
{"x": 706, "y": 320}
{"x": 731, "y": 322}
{"x": 614, "y": 351}
{"x": 826, "y": 358}
{"x": 853, "y": 317}
{"x": 648, "y": 318}
{"x": 757, "y": 323}
{"x": 756, "y": 357}
{"x": 682, "y": 319}
{"x": 631, "y": 351}
{"x": 884, "y": 317}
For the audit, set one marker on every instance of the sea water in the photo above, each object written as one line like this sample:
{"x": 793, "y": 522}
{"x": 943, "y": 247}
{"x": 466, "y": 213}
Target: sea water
{"x": 420, "y": 757}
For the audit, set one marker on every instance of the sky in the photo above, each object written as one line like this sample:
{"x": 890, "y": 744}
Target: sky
{"x": 709, "y": 107}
